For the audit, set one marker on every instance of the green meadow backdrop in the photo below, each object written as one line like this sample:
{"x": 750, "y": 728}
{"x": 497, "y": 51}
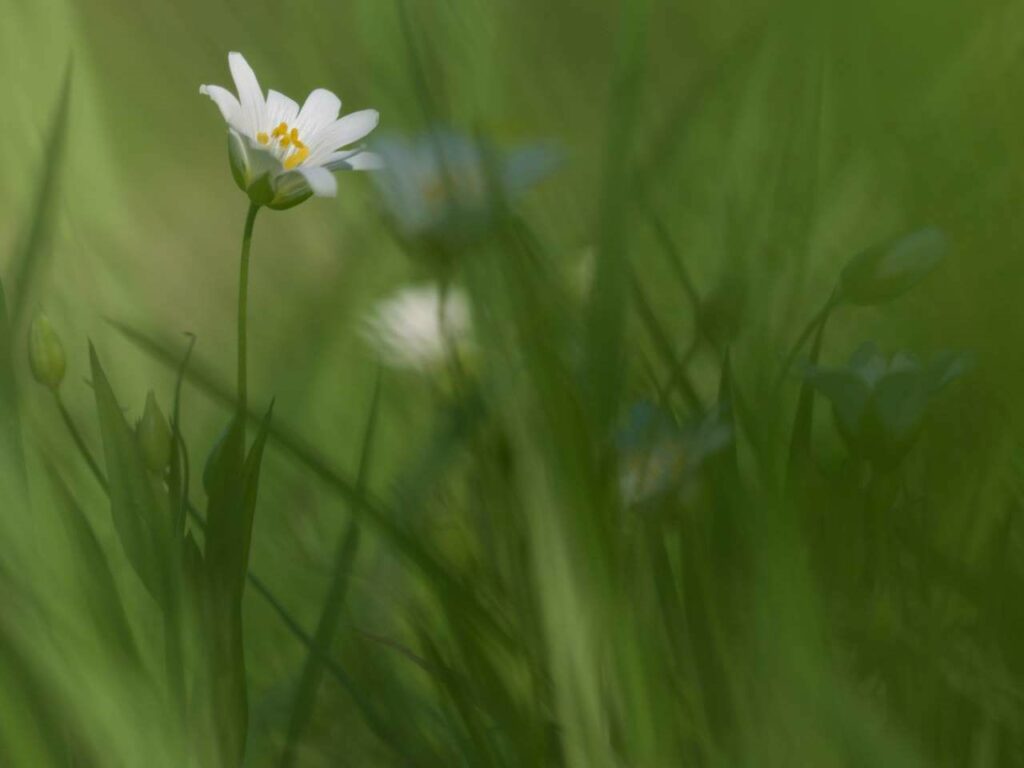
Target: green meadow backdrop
{"x": 624, "y": 527}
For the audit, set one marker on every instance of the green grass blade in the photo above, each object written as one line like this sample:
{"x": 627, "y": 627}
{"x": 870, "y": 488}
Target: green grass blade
{"x": 34, "y": 248}
{"x": 137, "y": 514}
{"x": 330, "y": 614}
{"x": 233, "y": 490}
{"x": 678, "y": 377}
{"x": 604, "y": 354}
{"x": 12, "y": 459}
{"x": 803, "y": 423}
{"x": 99, "y": 589}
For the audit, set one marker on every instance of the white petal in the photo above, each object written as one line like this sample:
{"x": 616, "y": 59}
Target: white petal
{"x": 225, "y": 100}
{"x": 249, "y": 94}
{"x": 356, "y": 160}
{"x": 320, "y": 180}
{"x": 280, "y": 109}
{"x": 321, "y": 109}
{"x": 347, "y": 130}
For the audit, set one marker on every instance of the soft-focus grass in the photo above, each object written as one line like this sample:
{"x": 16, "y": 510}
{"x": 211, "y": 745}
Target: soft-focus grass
{"x": 771, "y": 141}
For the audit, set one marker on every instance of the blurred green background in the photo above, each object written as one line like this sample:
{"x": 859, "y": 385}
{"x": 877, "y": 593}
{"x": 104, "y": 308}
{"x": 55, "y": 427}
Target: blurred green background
{"x": 769, "y": 141}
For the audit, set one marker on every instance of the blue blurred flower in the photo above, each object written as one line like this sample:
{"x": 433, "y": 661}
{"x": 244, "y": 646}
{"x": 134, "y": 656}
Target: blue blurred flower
{"x": 444, "y": 186}
{"x": 658, "y": 457}
{"x": 879, "y": 403}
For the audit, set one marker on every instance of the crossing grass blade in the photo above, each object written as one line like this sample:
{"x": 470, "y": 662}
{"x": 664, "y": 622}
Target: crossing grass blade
{"x": 330, "y": 614}
{"x": 139, "y": 518}
{"x": 99, "y": 589}
{"x": 35, "y": 245}
{"x": 12, "y": 457}
{"x": 369, "y": 510}
{"x": 606, "y": 314}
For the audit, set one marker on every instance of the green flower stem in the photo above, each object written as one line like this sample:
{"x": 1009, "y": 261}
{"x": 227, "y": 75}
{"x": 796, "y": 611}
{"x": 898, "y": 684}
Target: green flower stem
{"x": 243, "y": 311}
{"x": 76, "y": 438}
{"x": 815, "y": 324}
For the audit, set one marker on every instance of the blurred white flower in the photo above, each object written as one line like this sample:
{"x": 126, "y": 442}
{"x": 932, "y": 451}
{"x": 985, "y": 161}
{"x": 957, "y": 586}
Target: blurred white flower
{"x": 281, "y": 154}
{"x": 436, "y": 185}
{"x": 410, "y": 329}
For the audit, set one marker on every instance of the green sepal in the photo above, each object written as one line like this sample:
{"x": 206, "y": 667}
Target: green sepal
{"x": 261, "y": 191}
{"x": 254, "y": 170}
{"x": 238, "y": 157}
{"x": 290, "y": 189}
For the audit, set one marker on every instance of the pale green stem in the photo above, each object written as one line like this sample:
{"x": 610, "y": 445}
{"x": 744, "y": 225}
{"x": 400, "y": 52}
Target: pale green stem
{"x": 243, "y": 309}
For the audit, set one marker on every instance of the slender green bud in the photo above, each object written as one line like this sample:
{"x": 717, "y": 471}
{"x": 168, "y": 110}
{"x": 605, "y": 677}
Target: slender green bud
{"x": 46, "y": 353}
{"x": 154, "y": 436}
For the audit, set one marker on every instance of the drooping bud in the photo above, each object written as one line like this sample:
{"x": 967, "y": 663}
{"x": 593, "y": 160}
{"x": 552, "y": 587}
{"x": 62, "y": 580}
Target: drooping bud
{"x": 154, "y": 436}
{"x": 46, "y": 353}
{"x": 888, "y": 270}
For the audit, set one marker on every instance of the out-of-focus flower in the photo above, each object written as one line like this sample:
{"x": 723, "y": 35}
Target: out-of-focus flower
{"x": 444, "y": 186}
{"x": 658, "y": 457}
{"x": 154, "y": 436}
{"x": 412, "y": 330}
{"x": 880, "y": 403}
{"x": 887, "y": 270}
{"x": 46, "y": 353}
{"x": 281, "y": 154}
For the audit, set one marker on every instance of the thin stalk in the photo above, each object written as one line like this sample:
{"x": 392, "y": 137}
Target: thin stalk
{"x": 330, "y": 616}
{"x": 800, "y": 442}
{"x": 448, "y": 338}
{"x": 243, "y": 312}
{"x": 818, "y": 320}
{"x": 76, "y": 438}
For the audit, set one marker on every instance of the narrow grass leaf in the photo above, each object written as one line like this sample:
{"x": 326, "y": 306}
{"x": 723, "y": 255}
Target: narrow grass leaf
{"x": 604, "y": 354}
{"x": 12, "y": 460}
{"x": 139, "y": 518}
{"x": 99, "y": 589}
{"x": 35, "y": 244}
{"x": 330, "y": 614}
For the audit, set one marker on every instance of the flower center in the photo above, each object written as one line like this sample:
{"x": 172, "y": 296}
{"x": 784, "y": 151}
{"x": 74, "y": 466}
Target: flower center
{"x": 287, "y": 139}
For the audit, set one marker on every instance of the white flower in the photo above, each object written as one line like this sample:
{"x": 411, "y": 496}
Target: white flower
{"x": 436, "y": 185}
{"x": 409, "y": 329}
{"x": 282, "y": 154}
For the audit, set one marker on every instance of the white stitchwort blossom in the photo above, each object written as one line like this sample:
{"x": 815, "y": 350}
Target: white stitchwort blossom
{"x": 410, "y": 329}
{"x": 436, "y": 185}
{"x": 281, "y": 153}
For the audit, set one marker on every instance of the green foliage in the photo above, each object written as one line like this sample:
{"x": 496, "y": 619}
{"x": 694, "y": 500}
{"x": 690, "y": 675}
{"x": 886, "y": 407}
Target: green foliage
{"x": 609, "y": 530}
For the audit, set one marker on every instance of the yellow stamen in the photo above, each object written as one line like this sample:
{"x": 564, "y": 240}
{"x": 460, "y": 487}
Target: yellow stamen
{"x": 296, "y": 157}
{"x": 287, "y": 138}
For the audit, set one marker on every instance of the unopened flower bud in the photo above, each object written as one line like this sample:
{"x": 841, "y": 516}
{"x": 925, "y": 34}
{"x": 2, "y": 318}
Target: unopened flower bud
{"x": 154, "y": 436}
{"x": 46, "y": 353}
